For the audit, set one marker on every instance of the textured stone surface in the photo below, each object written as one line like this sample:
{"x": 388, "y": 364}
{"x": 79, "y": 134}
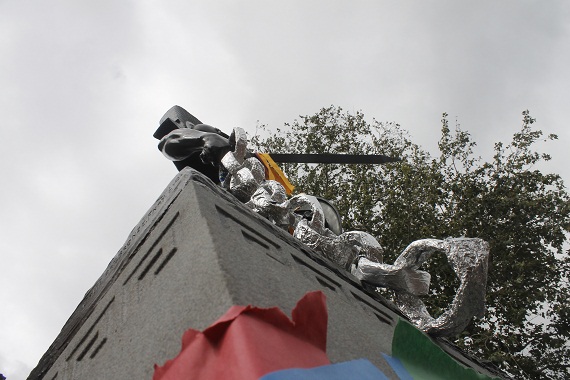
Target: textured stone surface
{"x": 197, "y": 252}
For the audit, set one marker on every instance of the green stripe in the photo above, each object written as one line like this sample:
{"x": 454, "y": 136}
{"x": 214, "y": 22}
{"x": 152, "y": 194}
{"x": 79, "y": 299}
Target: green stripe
{"x": 425, "y": 360}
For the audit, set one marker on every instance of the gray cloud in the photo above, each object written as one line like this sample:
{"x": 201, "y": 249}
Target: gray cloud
{"x": 83, "y": 85}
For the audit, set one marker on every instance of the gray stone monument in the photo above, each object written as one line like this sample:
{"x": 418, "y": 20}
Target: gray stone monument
{"x": 195, "y": 253}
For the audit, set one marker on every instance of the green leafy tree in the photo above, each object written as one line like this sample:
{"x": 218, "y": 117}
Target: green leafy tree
{"x": 523, "y": 213}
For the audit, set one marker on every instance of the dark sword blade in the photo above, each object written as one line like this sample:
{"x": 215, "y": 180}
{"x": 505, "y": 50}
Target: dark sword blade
{"x": 329, "y": 158}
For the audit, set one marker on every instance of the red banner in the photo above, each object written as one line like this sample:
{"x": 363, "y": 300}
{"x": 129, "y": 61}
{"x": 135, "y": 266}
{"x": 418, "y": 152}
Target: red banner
{"x": 248, "y": 342}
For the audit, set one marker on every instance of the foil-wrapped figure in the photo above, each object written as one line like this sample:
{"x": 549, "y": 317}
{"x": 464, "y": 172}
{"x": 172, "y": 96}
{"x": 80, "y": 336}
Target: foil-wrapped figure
{"x": 243, "y": 175}
{"x": 360, "y": 252}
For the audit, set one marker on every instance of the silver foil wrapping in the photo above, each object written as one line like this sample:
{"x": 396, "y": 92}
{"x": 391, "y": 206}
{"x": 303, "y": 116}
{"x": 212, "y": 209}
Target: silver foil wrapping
{"x": 270, "y": 201}
{"x": 360, "y": 252}
{"x": 344, "y": 249}
{"x": 404, "y": 275}
{"x": 468, "y": 259}
{"x": 244, "y": 175}
{"x": 246, "y": 181}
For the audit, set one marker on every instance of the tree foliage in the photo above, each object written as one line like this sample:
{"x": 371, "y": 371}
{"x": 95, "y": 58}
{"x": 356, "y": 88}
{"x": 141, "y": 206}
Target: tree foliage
{"x": 523, "y": 213}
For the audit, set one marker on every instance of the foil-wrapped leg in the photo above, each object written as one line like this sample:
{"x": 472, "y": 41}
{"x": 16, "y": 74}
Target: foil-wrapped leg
{"x": 344, "y": 250}
{"x": 468, "y": 258}
{"x": 301, "y": 205}
{"x": 404, "y": 275}
{"x": 390, "y": 276}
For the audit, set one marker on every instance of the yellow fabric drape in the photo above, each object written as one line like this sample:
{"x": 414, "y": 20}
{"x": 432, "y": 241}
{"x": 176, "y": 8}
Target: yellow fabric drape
{"x": 274, "y": 172}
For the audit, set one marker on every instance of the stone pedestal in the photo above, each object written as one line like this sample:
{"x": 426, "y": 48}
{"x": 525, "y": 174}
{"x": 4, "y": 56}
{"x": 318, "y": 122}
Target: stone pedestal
{"x": 197, "y": 252}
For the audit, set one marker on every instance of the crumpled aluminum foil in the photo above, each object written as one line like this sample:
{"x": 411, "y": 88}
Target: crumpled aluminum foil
{"x": 404, "y": 275}
{"x": 246, "y": 181}
{"x": 344, "y": 249}
{"x": 468, "y": 258}
{"x": 244, "y": 175}
{"x": 360, "y": 253}
{"x": 270, "y": 201}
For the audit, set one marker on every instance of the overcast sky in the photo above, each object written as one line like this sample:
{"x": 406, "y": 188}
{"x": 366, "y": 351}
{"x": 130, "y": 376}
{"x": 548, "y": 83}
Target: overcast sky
{"x": 84, "y": 83}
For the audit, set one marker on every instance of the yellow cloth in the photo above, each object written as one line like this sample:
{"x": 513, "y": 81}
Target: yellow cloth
{"x": 274, "y": 172}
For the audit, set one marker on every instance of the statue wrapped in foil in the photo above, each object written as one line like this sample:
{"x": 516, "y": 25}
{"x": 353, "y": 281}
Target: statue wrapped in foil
{"x": 361, "y": 253}
{"x": 242, "y": 174}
